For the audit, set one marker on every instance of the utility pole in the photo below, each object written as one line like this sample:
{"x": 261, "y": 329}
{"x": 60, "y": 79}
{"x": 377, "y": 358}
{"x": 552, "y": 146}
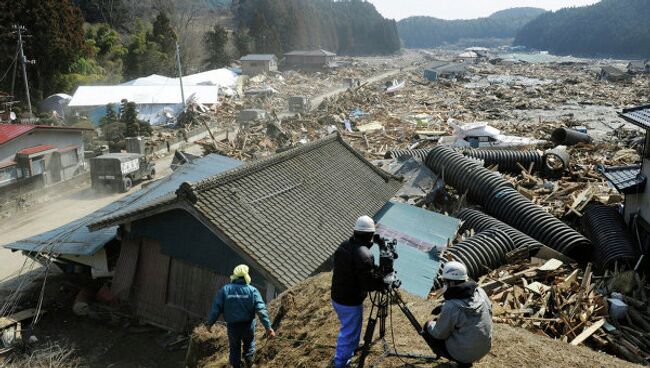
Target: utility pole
{"x": 23, "y": 61}
{"x": 180, "y": 72}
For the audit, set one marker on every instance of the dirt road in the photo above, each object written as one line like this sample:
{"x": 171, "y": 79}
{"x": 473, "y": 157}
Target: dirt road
{"x": 59, "y": 212}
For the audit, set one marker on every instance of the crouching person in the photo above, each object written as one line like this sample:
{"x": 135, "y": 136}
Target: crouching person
{"x": 463, "y": 331}
{"x": 238, "y": 301}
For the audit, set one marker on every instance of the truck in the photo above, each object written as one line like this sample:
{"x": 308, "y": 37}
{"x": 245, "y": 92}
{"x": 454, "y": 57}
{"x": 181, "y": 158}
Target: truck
{"x": 118, "y": 171}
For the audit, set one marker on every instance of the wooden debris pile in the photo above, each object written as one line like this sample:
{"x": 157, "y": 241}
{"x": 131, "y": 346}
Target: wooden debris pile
{"x": 627, "y": 333}
{"x": 556, "y": 300}
{"x": 549, "y": 299}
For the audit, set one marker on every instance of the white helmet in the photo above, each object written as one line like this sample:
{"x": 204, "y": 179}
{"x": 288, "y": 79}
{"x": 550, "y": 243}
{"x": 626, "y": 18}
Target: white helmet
{"x": 454, "y": 271}
{"x": 365, "y": 224}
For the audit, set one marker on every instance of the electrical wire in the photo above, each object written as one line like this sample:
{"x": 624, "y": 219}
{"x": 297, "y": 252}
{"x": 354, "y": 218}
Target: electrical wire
{"x": 10, "y": 66}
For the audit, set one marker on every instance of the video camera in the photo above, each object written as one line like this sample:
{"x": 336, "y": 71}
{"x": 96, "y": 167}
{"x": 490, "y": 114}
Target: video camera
{"x": 387, "y": 257}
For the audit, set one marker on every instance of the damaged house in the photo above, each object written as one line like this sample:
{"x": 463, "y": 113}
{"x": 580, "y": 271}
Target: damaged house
{"x": 309, "y": 60}
{"x": 283, "y": 215}
{"x": 254, "y": 64}
{"x": 633, "y": 180}
{"x": 445, "y": 69}
{"x": 34, "y": 156}
{"x": 613, "y": 74}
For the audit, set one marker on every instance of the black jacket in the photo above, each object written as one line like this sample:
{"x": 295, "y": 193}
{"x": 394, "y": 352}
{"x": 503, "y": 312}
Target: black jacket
{"x": 355, "y": 273}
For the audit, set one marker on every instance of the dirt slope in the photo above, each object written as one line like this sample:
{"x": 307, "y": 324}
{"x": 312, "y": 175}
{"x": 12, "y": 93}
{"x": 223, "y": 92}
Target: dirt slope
{"x": 307, "y": 329}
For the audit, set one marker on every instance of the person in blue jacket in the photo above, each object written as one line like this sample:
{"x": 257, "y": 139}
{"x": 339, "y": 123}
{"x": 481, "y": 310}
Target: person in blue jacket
{"x": 238, "y": 301}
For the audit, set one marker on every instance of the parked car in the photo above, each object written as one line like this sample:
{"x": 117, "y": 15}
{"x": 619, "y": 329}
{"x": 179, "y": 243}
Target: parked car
{"x": 119, "y": 171}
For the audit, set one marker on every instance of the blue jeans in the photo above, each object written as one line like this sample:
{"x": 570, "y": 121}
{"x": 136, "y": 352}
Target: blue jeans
{"x": 242, "y": 333}
{"x": 351, "y": 318}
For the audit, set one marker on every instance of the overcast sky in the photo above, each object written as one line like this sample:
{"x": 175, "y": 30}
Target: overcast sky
{"x": 464, "y": 9}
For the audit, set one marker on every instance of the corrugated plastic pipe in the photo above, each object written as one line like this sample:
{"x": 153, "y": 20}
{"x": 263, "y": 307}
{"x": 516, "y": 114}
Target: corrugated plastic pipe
{"x": 503, "y": 202}
{"x": 418, "y": 154}
{"x": 508, "y": 159}
{"x": 569, "y": 137}
{"x": 480, "y": 254}
{"x": 612, "y": 242}
{"x": 479, "y": 221}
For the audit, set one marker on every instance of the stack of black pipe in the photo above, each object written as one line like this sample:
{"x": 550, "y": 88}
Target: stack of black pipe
{"x": 500, "y": 200}
{"x": 418, "y": 154}
{"x": 507, "y": 159}
{"x": 612, "y": 242}
{"x": 480, "y": 254}
{"x": 479, "y": 221}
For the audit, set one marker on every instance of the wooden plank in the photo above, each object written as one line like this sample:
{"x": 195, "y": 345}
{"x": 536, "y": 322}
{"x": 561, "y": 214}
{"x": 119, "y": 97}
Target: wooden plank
{"x": 17, "y": 317}
{"x": 588, "y": 332}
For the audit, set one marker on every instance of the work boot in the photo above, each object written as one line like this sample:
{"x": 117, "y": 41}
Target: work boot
{"x": 248, "y": 362}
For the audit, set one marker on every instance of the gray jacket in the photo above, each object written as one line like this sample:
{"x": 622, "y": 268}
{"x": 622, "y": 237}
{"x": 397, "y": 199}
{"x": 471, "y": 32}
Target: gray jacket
{"x": 466, "y": 327}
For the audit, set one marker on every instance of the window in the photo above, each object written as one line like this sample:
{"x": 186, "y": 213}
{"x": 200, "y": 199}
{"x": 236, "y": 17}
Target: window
{"x": 70, "y": 158}
{"x": 8, "y": 175}
{"x": 38, "y": 167}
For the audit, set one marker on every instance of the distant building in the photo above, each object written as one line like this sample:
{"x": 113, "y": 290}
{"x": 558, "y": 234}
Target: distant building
{"x": 34, "y": 156}
{"x": 309, "y": 60}
{"x": 613, "y": 74}
{"x": 467, "y": 56}
{"x": 257, "y": 64}
{"x": 158, "y": 98}
{"x": 638, "y": 67}
{"x": 445, "y": 69}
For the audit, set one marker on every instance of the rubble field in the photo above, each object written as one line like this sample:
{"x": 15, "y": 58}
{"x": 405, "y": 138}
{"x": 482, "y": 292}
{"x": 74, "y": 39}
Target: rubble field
{"x": 307, "y": 328}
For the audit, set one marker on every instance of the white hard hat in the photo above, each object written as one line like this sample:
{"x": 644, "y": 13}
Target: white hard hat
{"x": 365, "y": 224}
{"x": 454, "y": 271}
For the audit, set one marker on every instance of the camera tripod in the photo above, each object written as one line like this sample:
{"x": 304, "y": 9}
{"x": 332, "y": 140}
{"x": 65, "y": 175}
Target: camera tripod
{"x": 381, "y": 304}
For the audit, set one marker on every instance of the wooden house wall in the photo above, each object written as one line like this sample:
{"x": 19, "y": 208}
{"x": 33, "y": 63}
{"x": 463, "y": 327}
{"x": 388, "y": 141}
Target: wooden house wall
{"x": 170, "y": 267}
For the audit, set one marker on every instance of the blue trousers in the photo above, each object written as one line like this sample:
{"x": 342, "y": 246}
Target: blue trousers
{"x": 351, "y": 318}
{"x": 241, "y": 334}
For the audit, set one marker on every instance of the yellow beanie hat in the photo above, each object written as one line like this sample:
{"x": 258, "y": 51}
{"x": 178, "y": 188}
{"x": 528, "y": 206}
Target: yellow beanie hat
{"x": 241, "y": 271}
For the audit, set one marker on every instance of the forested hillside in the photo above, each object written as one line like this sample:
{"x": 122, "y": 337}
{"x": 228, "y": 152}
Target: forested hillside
{"x": 351, "y": 27}
{"x": 426, "y": 32}
{"x": 610, "y": 28}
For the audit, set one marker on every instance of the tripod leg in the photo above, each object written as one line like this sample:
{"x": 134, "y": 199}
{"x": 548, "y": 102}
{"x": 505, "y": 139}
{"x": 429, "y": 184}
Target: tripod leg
{"x": 367, "y": 337}
{"x": 414, "y": 321}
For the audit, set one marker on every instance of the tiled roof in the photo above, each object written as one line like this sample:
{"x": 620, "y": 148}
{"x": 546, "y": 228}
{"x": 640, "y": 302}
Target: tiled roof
{"x": 626, "y": 179}
{"x": 288, "y": 212}
{"x": 12, "y": 131}
{"x": 36, "y": 149}
{"x": 258, "y": 57}
{"x": 319, "y": 52}
{"x": 639, "y": 116}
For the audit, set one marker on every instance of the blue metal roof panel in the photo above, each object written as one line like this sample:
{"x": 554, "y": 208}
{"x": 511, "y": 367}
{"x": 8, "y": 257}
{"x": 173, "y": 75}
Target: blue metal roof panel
{"x": 419, "y": 234}
{"x": 74, "y": 238}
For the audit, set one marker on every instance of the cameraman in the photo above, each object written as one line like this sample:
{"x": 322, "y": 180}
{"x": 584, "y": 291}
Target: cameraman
{"x": 355, "y": 273}
{"x": 463, "y": 331}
